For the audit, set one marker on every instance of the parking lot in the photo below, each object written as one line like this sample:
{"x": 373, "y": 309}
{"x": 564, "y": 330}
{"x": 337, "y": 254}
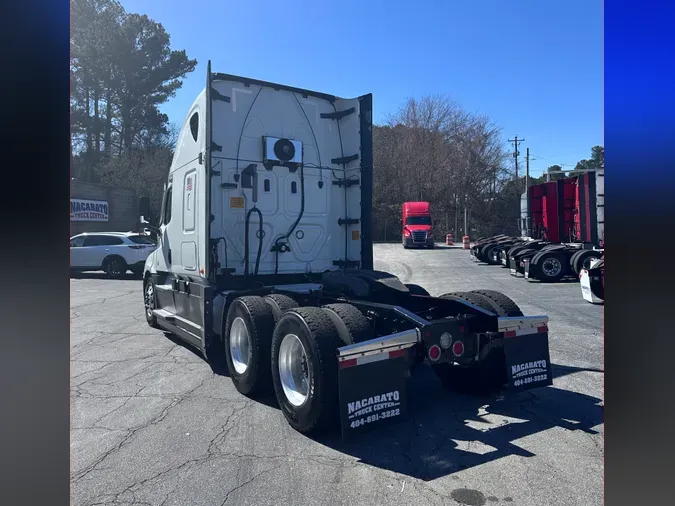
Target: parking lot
{"x": 153, "y": 425}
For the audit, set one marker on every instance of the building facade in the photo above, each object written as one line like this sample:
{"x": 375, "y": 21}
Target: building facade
{"x": 99, "y": 208}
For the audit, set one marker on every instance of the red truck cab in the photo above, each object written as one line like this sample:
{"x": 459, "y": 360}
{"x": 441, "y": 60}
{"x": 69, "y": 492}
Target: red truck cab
{"x": 417, "y": 223}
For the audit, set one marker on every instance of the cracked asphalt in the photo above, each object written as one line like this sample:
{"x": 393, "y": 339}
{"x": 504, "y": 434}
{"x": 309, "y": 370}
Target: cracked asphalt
{"x": 151, "y": 424}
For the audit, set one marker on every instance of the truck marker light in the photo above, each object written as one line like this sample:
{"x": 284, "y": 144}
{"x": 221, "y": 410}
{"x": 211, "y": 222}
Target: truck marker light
{"x": 446, "y": 340}
{"x": 458, "y": 348}
{"x": 434, "y": 353}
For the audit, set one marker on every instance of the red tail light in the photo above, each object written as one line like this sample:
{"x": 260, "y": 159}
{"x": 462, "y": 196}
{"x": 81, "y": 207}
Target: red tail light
{"x": 458, "y": 348}
{"x": 434, "y": 353}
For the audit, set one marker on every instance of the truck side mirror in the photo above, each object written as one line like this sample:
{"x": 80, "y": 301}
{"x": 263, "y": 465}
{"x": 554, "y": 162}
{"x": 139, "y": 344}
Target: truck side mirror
{"x": 144, "y": 206}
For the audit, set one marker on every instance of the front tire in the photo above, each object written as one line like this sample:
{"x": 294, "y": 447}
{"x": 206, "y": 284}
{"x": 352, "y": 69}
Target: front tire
{"x": 150, "y": 303}
{"x": 247, "y": 341}
{"x": 305, "y": 369}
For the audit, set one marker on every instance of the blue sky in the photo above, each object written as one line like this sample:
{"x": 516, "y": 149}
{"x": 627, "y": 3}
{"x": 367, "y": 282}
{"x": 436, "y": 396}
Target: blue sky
{"x": 535, "y": 67}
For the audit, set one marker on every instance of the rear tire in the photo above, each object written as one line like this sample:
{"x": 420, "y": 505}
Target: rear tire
{"x": 247, "y": 342}
{"x": 488, "y": 375}
{"x": 280, "y": 304}
{"x": 308, "y": 397}
{"x": 506, "y": 304}
{"x": 476, "y": 299}
{"x": 351, "y": 323}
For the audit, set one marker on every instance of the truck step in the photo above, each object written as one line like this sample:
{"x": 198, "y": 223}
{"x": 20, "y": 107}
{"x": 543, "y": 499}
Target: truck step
{"x": 174, "y": 318}
{"x": 164, "y": 314}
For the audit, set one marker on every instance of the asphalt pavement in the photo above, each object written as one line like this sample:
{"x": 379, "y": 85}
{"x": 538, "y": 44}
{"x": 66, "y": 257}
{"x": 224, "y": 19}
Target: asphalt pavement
{"x": 151, "y": 424}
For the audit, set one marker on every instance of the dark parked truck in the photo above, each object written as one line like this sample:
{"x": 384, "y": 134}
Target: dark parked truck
{"x": 265, "y": 264}
{"x": 417, "y": 224}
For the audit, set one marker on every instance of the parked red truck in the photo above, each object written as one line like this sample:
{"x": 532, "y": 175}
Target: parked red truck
{"x": 417, "y": 223}
{"x": 562, "y": 230}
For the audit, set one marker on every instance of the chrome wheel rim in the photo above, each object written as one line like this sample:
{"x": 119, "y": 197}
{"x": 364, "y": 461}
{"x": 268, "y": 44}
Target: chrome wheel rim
{"x": 294, "y": 373}
{"x": 149, "y": 300}
{"x": 240, "y": 345}
{"x": 551, "y": 267}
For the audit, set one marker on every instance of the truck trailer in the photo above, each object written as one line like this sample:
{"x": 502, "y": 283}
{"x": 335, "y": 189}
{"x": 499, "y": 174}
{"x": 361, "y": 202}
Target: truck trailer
{"x": 417, "y": 223}
{"x": 265, "y": 265}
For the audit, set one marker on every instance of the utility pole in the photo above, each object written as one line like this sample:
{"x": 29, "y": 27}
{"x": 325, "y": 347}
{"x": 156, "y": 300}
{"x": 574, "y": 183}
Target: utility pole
{"x": 516, "y": 141}
{"x": 527, "y": 192}
{"x": 527, "y": 168}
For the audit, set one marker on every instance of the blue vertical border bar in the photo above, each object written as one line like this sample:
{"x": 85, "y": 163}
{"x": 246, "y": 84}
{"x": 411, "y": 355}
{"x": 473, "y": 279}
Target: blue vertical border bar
{"x": 640, "y": 299}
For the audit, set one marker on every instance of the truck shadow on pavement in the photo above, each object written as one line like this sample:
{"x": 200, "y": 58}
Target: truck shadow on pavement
{"x": 444, "y": 433}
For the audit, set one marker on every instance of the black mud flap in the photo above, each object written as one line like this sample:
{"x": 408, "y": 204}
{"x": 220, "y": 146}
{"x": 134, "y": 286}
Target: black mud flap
{"x": 527, "y": 268}
{"x": 528, "y": 361}
{"x": 372, "y": 391}
{"x": 513, "y": 266}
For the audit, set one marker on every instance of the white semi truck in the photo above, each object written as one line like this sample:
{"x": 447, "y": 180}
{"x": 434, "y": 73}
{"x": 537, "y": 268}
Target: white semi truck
{"x": 265, "y": 264}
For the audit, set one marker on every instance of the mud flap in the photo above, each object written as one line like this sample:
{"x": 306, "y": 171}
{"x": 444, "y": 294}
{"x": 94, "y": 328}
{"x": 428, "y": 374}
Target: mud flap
{"x": 528, "y": 361}
{"x": 586, "y": 290}
{"x": 512, "y": 267}
{"x": 372, "y": 391}
{"x": 527, "y": 268}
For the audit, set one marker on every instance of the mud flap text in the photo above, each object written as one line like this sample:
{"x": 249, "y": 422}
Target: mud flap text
{"x": 371, "y": 395}
{"x": 528, "y": 361}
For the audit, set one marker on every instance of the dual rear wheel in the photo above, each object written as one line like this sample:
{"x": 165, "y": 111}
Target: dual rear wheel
{"x": 271, "y": 344}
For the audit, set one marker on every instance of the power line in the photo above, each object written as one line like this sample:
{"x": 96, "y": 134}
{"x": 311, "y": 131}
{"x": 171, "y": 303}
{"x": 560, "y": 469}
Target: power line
{"x": 537, "y": 157}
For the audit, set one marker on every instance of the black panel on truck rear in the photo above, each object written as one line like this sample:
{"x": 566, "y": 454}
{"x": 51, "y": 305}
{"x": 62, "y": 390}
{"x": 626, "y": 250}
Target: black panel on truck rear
{"x": 366, "y": 181}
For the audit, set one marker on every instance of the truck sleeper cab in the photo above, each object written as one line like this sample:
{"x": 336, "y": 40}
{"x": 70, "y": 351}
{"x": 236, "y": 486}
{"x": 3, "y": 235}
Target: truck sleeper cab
{"x": 265, "y": 264}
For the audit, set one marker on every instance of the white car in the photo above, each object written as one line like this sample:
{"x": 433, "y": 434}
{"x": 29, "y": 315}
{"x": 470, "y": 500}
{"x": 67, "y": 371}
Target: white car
{"x": 113, "y": 252}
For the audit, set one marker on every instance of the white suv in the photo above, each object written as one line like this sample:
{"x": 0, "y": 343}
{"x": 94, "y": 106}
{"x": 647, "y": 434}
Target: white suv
{"x": 113, "y": 252}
